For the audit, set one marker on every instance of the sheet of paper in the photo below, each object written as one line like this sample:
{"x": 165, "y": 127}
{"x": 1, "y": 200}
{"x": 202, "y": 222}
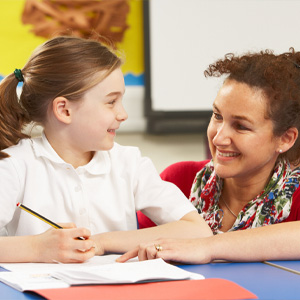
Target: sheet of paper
{"x": 55, "y": 266}
{"x": 141, "y": 271}
{"x": 26, "y": 281}
{"x": 28, "y": 276}
{"x": 24, "y": 277}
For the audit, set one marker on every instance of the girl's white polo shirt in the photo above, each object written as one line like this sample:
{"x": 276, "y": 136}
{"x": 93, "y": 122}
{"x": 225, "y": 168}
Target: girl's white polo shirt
{"x": 102, "y": 196}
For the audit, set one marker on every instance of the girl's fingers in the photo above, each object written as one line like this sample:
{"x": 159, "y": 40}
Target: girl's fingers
{"x": 75, "y": 233}
{"x": 79, "y": 256}
{"x": 67, "y": 225}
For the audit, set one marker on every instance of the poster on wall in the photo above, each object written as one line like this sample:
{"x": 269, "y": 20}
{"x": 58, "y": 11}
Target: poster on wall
{"x": 25, "y": 24}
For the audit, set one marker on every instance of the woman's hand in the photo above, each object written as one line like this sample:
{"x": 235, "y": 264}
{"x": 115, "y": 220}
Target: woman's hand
{"x": 191, "y": 251}
{"x": 63, "y": 245}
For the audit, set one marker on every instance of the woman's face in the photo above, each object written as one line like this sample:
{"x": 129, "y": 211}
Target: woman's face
{"x": 240, "y": 137}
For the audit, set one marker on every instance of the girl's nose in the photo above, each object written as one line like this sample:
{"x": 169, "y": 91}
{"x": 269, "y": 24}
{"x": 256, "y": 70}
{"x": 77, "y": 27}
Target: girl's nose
{"x": 122, "y": 115}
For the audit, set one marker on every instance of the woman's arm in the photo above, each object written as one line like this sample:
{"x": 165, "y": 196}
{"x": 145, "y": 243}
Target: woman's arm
{"x": 273, "y": 242}
{"x": 191, "y": 225}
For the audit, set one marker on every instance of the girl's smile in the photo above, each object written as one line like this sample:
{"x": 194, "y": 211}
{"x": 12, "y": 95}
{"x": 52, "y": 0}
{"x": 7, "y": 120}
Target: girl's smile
{"x": 92, "y": 121}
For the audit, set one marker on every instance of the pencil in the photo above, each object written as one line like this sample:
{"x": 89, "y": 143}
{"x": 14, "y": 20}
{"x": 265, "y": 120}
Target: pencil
{"x": 43, "y": 218}
{"x": 39, "y": 216}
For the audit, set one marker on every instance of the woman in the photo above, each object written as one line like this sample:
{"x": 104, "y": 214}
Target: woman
{"x": 250, "y": 181}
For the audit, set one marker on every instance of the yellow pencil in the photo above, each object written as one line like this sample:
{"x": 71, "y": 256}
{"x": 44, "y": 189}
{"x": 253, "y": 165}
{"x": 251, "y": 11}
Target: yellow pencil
{"x": 39, "y": 216}
{"x": 43, "y": 218}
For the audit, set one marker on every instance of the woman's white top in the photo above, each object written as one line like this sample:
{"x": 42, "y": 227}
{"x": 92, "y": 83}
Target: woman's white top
{"x": 102, "y": 196}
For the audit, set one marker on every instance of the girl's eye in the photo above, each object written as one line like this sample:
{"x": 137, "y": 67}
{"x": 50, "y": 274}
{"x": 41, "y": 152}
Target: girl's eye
{"x": 112, "y": 102}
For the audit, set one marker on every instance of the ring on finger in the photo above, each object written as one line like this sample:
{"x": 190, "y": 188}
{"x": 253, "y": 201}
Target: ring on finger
{"x": 158, "y": 247}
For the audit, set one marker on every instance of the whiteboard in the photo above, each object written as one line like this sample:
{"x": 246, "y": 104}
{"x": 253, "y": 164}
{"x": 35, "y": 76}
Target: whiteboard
{"x": 188, "y": 35}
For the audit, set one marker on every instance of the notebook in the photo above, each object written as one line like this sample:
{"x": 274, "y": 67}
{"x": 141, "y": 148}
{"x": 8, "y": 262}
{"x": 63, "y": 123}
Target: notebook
{"x": 114, "y": 273}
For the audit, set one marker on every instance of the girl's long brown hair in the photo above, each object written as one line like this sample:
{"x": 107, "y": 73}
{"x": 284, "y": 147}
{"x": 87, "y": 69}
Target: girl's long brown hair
{"x": 63, "y": 66}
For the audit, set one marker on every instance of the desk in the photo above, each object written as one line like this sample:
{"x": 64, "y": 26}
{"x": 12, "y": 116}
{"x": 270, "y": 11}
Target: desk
{"x": 266, "y": 281}
{"x": 7, "y": 293}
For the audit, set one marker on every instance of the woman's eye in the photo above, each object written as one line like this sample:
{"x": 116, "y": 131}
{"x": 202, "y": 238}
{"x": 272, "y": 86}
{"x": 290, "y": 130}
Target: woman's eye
{"x": 241, "y": 127}
{"x": 217, "y": 116}
{"x": 112, "y": 102}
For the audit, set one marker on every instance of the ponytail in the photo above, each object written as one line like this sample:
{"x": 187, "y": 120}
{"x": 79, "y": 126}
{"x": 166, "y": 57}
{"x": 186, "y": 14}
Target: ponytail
{"x": 12, "y": 116}
{"x": 62, "y": 66}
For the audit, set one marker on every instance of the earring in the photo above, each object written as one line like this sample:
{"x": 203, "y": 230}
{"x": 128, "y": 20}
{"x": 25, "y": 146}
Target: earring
{"x": 280, "y": 151}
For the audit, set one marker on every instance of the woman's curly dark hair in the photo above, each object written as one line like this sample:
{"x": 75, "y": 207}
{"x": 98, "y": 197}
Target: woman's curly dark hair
{"x": 278, "y": 76}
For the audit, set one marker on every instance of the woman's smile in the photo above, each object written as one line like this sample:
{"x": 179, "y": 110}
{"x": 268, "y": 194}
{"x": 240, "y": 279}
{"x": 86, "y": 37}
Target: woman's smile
{"x": 241, "y": 139}
{"x": 227, "y": 154}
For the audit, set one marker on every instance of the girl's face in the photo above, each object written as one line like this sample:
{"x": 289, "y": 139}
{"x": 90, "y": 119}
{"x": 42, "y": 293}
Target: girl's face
{"x": 241, "y": 139}
{"x": 96, "y": 118}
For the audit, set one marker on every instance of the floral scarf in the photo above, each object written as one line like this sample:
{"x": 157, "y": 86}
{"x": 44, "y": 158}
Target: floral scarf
{"x": 271, "y": 206}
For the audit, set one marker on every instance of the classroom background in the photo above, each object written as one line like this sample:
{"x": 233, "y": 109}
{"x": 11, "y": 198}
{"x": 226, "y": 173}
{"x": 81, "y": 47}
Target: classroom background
{"x": 166, "y": 44}
{"x": 24, "y": 24}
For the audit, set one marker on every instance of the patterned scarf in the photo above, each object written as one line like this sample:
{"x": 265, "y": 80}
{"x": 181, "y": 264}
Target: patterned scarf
{"x": 271, "y": 206}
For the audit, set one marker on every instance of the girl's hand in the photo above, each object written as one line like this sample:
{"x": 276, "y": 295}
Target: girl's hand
{"x": 191, "y": 251}
{"x": 63, "y": 245}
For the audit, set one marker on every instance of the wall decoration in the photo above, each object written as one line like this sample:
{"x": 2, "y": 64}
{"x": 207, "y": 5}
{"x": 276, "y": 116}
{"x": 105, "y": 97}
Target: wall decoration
{"x": 83, "y": 18}
{"x": 24, "y": 24}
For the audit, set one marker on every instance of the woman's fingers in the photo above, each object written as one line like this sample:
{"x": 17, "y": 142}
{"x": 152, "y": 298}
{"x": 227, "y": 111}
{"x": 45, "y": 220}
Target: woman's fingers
{"x": 177, "y": 250}
{"x": 143, "y": 252}
{"x": 148, "y": 251}
{"x": 128, "y": 255}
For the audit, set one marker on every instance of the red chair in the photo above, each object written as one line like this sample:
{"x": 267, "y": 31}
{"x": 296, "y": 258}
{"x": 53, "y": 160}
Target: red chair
{"x": 181, "y": 174}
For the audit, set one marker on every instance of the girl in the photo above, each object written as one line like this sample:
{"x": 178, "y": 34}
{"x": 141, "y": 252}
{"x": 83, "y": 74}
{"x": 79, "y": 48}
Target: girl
{"x": 74, "y": 173}
{"x": 251, "y": 181}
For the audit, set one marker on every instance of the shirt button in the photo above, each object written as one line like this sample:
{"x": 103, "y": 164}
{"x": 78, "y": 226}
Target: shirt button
{"x": 77, "y": 188}
{"x": 82, "y": 211}
{"x": 80, "y": 171}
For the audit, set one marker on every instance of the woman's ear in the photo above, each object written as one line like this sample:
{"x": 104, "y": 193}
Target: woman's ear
{"x": 288, "y": 139}
{"x": 61, "y": 109}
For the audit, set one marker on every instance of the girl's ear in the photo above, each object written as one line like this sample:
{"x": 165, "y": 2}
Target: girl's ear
{"x": 61, "y": 109}
{"x": 288, "y": 139}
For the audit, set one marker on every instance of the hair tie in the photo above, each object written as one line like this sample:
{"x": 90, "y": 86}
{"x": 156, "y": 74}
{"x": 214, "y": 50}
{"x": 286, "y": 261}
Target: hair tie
{"x": 19, "y": 75}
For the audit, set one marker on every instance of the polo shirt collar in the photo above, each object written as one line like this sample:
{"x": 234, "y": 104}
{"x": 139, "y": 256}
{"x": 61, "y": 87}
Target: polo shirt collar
{"x": 99, "y": 164}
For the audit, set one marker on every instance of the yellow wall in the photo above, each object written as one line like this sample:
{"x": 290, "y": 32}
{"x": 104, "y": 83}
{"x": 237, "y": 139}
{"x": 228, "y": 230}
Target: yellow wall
{"x": 17, "y": 42}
